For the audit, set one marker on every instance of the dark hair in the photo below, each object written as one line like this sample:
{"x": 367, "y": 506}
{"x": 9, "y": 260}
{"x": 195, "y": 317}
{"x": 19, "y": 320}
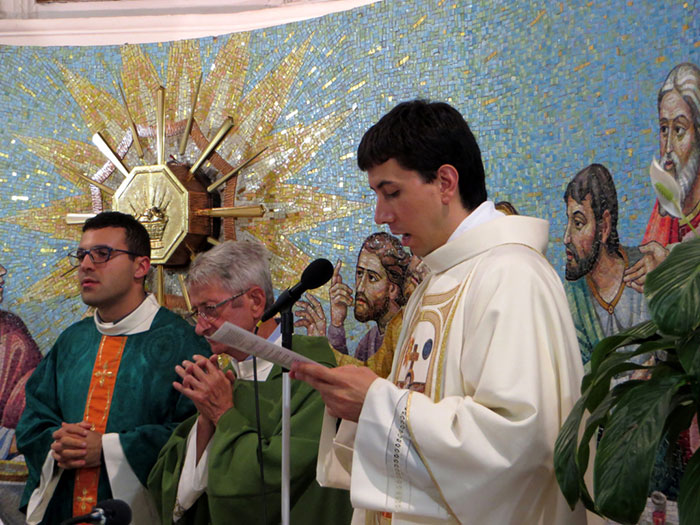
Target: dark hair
{"x": 422, "y": 136}
{"x": 393, "y": 258}
{"x": 595, "y": 180}
{"x": 137, "y": 238}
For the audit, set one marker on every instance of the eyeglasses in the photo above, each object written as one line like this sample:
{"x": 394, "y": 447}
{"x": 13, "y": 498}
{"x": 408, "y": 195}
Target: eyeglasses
{"x": 98, "y": 254}
{"x": 210, "y": 312}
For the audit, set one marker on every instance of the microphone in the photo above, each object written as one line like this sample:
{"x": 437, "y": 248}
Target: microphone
{"x": 106, "y": 512}
{"x": 316, "y": 274}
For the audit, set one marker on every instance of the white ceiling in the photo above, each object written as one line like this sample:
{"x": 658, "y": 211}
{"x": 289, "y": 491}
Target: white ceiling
{"x": 115, "y": 22}
{"x": 26, "y": 9}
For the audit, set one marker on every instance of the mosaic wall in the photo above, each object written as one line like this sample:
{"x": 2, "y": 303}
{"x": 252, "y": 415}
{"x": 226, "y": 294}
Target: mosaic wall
{"x": 548, "y": 88}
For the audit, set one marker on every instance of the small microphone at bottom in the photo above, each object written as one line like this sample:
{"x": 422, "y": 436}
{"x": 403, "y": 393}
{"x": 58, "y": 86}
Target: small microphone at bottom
{"x": 107, "y": 512}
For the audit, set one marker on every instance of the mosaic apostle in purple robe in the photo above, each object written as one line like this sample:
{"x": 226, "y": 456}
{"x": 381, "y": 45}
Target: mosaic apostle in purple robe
{"x": 19, "y": 356}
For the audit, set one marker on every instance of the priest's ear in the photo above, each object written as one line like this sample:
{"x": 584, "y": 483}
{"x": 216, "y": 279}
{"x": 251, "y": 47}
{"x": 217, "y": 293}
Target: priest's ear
{"x": 447, "y": 178}
{"x": 142, "y": 264}
{"x": 256, "y": 301}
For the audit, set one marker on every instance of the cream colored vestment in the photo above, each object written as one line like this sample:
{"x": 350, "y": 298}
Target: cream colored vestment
{"x": 486, "y": 370}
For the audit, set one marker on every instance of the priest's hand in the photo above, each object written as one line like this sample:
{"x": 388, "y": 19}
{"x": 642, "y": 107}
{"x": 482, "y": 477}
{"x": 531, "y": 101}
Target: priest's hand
{"x": 93, "y": 456}
{"x": 343, "y": 389}
{"x": 209, "y": 388}
{"x": 69, "y": 448}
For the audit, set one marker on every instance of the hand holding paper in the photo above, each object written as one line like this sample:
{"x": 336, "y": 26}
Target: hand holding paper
{"x": 343, "y": 389}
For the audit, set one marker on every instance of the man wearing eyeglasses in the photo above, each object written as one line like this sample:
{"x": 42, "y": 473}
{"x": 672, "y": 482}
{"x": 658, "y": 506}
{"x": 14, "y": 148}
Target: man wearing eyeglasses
{"x": 209, "y": 471}
{"x": 100, "y": 405}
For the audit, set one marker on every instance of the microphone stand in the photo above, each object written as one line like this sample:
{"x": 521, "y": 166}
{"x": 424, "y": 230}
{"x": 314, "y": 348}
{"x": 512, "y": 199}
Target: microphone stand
{"x": 287, "y": 328}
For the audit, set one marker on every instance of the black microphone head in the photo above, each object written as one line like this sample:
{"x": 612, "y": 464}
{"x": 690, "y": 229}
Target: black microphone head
{"x": 116, "y": 511}
{"x": 317, "y": 274}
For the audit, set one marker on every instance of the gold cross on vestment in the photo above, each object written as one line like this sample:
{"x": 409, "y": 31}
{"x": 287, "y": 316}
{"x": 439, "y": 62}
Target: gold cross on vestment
{"x": 84, "y": 500}
{"x": 104, "y": 373}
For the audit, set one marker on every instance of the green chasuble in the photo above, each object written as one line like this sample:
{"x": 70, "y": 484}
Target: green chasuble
{"x": 144, "y": 410}
{"x": 232, "y": 495}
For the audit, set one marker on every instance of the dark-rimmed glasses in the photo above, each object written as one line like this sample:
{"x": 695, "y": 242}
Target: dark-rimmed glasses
{"x": 98, "y": 254}
{"x": 210, "y": 312}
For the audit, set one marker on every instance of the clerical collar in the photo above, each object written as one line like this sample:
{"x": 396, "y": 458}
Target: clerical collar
{"x": 484, "y": 212}
{"x": 136, "y": 322}
{"x": 276, "y": 336}
{"x": 514, "y": 229}
{"x": 245, "y": 367}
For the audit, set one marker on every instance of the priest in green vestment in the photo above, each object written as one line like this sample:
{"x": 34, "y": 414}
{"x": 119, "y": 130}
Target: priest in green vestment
{"x": 100, "y": 405}
{"x": 209, "y": 471}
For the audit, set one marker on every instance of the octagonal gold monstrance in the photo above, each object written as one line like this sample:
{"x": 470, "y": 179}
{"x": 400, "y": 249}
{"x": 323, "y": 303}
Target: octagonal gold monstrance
{"x": 172, "y": 203}
{"x": 166, "y": 204}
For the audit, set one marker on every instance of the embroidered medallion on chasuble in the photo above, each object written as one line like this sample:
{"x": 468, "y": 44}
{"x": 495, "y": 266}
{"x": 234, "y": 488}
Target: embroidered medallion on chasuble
{"x": 422, "y": 354}
{"x": 104, "y": 377}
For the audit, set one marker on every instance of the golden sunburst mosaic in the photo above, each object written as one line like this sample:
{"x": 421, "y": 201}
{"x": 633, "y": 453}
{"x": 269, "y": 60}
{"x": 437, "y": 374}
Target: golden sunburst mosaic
{"x": 197, "y": 160}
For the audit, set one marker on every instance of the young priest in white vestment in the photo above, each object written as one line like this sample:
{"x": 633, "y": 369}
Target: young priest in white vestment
{"x": 487, "y": 365}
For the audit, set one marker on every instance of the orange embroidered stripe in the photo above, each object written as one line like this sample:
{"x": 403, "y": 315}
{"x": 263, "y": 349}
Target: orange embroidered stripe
{"x": 99, "y": 399}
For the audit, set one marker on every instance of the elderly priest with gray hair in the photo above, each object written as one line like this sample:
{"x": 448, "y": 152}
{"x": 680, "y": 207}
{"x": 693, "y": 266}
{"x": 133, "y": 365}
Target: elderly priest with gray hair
{"x": 210, "y": 470}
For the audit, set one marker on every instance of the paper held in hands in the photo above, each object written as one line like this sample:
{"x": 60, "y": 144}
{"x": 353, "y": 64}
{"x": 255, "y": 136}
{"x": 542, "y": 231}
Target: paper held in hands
{"x": 245, "y": 341}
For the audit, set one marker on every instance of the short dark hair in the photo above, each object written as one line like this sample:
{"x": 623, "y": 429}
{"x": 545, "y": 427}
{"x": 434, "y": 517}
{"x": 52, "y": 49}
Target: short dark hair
{"x": 422, "y": 136}
{"x": 595, "y": 180}
{"x": 393, "y": 258}
{"x": 137, "y": 238}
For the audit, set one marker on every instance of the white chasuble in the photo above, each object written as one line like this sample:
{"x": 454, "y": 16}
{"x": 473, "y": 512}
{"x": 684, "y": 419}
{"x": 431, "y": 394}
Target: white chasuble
{"x": 486, "y": 370}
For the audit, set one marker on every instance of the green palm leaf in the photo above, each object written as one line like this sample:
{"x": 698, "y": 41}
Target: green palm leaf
{"x": 565, "y": 467}
{"x": 634, "y": 335}
{"x": 688, "y": 501}
{"x": 689, "y": 354}
{"x": 626, "y": 453}
{"x": 672, "y": 290}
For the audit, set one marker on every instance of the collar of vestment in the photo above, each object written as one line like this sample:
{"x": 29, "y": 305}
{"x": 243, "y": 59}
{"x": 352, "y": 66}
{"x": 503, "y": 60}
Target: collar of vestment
{"x": 136, "y": 322}
{"x": 509, "y": 229}
{"x": 483, "y": 213}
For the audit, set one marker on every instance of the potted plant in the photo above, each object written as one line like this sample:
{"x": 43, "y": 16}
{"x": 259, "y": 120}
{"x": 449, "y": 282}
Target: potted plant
{"x": 633, "y": 417}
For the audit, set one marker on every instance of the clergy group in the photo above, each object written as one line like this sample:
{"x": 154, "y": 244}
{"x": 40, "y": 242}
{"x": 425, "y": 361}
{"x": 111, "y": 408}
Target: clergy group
{"x": 138, "y": 404}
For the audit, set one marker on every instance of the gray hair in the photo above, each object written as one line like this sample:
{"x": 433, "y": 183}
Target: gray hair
{"x": 235, "y": 266}
{"x": 684, "y": 78}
